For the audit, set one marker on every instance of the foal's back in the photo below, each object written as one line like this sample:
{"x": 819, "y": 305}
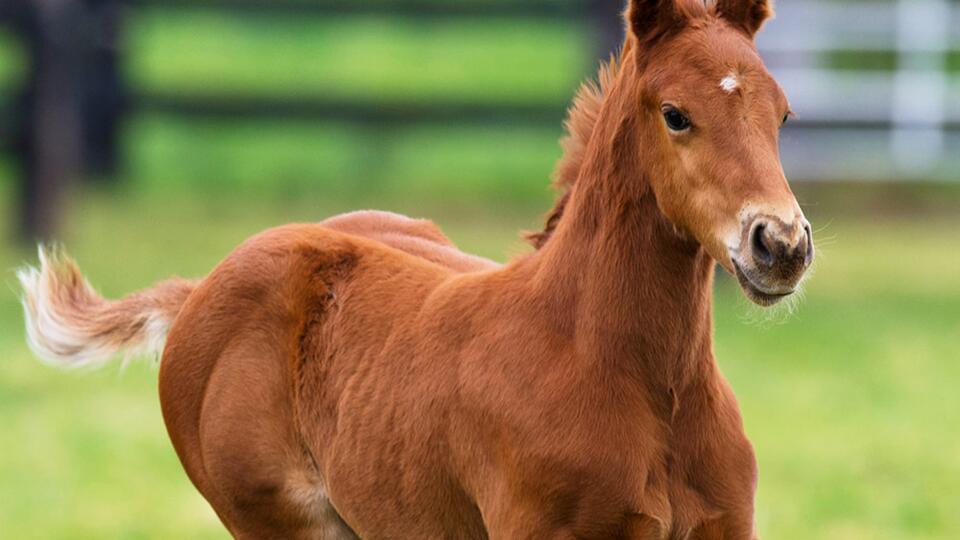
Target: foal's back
{"x": 417, "y": 237}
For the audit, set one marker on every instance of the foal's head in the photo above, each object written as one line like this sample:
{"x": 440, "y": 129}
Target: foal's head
{"x": 709, "y": 122}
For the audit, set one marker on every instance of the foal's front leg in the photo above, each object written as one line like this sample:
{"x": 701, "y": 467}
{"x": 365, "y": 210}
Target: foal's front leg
{"x": 528, "y": 525}
{"x": 527, "y": 533}
{"x": 640, "y": 529}
{"x": 731, "y": 526}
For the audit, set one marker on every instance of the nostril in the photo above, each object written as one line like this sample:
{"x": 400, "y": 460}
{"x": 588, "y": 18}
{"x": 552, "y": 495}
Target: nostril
{"x": 758, "y": 244}
{"x": 808, "y": 256}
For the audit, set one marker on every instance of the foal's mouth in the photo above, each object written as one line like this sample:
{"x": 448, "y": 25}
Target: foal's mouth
{"x": 754, "y": 292}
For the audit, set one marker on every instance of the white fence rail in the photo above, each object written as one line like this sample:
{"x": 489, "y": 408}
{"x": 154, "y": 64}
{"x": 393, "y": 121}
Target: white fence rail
{"x": 865, "y": 124}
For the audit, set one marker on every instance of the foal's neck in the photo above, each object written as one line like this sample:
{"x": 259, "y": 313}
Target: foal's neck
{"x": 633, "y": 292}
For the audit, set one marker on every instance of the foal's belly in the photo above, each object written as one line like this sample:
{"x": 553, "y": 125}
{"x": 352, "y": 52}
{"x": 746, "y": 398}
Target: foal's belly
{"x": 388, "y": 476}
{"x": 403, "y": 504}
{"x": 381, "y": 445}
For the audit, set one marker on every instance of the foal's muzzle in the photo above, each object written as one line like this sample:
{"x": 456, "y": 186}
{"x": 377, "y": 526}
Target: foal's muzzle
{"x": 773, "y": 257}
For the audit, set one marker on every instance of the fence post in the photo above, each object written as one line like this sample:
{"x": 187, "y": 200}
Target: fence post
{"x": 606, "y": 21}
{"x": 102, "y": 92}
{"x": 48, "y": 142}
{"x": 920, "y": 87}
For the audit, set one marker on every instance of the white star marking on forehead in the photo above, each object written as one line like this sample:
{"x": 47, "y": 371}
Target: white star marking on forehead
{"x": 729, "y": 83}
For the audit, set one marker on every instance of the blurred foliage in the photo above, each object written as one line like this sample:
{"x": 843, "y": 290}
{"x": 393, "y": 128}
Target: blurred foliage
{"x": 376, "y": 59}
{"x": 372, "y": 58}
{"x": 879, "y": 60}
{"x": 343, "y": 161}
{"x": 12, "y": 61}
{"x": 862, "y": 60}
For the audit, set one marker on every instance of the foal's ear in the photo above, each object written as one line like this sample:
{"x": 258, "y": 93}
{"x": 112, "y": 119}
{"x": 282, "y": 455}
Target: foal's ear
{"x": 651, "y": 19}
{"x": 748, "y": 15}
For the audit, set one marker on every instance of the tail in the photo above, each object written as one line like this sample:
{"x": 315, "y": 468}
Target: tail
{"x": 70, "y": 325}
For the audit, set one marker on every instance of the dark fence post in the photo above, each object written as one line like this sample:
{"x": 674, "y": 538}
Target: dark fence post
{"x": 606, "y": 21}
{"x": 48, "y": 145}
{"x": 102, "y": 91}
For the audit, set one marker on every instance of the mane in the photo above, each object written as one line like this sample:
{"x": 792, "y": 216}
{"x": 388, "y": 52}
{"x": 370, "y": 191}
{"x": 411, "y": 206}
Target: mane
{"x": 582, "y": 117}
{"x": 579, "y": 125}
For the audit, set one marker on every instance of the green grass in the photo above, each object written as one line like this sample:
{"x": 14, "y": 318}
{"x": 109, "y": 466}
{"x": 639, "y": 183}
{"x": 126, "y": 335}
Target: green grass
{"x": 341, "y": 161}
{"x": 851, "y": 401}
{"x": 11, "y": 61}
{"x": 881, "y": 60}
{"x": 372, "y": 58}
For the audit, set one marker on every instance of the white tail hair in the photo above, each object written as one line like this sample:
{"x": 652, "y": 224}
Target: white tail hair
{"x": 69, "y": 325}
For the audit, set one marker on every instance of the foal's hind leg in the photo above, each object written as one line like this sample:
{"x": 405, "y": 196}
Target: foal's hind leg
{"x": 244, "y": 454}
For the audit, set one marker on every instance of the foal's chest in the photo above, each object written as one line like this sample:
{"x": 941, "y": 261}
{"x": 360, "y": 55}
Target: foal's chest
{"x": 701, "y": 488}
{"x": 642, "y": 480}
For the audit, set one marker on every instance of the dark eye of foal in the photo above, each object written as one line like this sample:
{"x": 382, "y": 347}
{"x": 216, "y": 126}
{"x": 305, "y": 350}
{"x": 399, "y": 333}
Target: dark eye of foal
{"x": 675, "y": 119}
{"x": 786, "y": 117}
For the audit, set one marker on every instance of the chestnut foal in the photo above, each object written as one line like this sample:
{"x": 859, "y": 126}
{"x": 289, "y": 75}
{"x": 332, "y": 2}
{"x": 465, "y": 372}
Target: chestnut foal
{"x": 362, "y": 378}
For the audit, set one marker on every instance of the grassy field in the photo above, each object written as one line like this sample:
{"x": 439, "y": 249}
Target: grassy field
{"x": 850, "y": 401}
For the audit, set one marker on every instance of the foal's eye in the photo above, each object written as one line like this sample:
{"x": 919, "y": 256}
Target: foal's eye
{"x": 786, "y": 117}
{"x": 675, "y": 119}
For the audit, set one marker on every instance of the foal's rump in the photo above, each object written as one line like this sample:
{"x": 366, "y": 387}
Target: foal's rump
{"x": 249, "y": 383}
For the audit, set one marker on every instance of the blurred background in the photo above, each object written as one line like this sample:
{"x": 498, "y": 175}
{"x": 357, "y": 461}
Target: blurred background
{"x": 152, "y": 136}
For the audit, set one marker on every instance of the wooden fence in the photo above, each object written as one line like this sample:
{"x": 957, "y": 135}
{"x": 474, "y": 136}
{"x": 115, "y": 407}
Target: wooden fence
{"x": 890, "y": 123}
{"x": 896, "y": 121}
{"x": 66, "y": 120}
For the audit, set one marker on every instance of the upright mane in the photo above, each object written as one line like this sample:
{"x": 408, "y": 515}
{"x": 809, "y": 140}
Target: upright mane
{"x": 583, "y": 115}
{"x": 579, "y": 126}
